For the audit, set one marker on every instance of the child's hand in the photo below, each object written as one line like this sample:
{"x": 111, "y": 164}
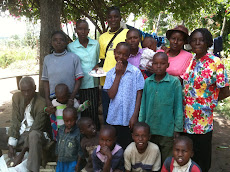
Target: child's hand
{"x": 120, "y": 69}
{"x": 106, "y": 151}
{"x": 51, "y": 110}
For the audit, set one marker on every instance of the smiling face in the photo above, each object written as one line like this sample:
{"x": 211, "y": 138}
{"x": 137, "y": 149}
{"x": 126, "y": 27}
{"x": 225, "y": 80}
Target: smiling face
{"x": 82, "y": 30}
{"x": 198, "y": 44}
{"x": 160, "y": 63}
{"x": 122, "y": 53}
{"x": 176, "y": 41}
{"x": 182, "y": 152}
{"x": 59, "y": 43}
{"x": 141, "y": 137}
{"x": 113, "y": 20}
{"x": 88, "y": 128}
{"x": 133, "y": 39}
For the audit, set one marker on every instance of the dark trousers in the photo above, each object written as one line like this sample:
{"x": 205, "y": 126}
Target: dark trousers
{"x": 105, "y": 104}
{"x": 91, "y": 94}
{"x": 124, "y": 137}
{"x": 202, "y": 146}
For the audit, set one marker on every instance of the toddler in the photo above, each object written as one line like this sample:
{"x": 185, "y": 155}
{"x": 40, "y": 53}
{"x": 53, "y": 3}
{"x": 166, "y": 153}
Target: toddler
{"x": 181, "y": 160}
{"x": 142, "y": 155}
{"x": 68, "y": 147}
{"x": 161, "y": 105}
{"x": 124, "y": 85}
{"x": 62, "y": 97}
{"x": 89, "y": 141}
{"x": 108, "y": 156}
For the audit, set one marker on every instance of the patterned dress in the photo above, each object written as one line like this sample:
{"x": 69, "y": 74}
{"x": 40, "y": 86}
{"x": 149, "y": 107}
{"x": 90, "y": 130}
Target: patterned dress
{"x": 202, "y": 82}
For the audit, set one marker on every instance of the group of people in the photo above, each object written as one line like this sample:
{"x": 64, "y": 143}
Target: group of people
{"x": 157, "y": 104}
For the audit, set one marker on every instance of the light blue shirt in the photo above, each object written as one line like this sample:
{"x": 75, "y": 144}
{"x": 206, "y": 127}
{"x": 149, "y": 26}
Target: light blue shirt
{"x": 89, "y": 57}
{"x": 121, "y": 108}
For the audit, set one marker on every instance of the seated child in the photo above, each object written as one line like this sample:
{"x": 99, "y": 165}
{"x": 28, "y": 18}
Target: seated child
{"x": 161, "y": 105}
{"x": 124, "y": 84}
{"x": 108, "y": 156}
{"x": 68, "y": 147}
{"x": 62, "y": 97}
{"x": 149, "y": 45}
{"x": 142, "y": 155}
{"x": 181, "y": 160}
{"x": 133, "y": 38}
{"x": 90, "y": 140}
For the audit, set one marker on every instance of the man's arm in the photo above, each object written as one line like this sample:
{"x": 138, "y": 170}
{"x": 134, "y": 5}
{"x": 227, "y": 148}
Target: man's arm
{"x": 224, "y": 93}
{"x": 135, "y": 116}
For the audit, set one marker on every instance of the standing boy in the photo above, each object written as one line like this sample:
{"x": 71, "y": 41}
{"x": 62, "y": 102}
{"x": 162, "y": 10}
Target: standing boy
{"x": 124, "y": 84}
{"x": 161, "y": 105}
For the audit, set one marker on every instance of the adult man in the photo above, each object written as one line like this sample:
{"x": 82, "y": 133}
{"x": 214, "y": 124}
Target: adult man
{"x": 27, "y": 126}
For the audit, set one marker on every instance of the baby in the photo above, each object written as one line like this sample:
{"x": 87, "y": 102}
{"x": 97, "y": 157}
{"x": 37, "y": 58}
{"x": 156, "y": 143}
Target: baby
{"x": 90, "y": 140}
{"x": 142, "y": 155}
{"x": 181, "y": 160}
{"x": 108, "y": 156}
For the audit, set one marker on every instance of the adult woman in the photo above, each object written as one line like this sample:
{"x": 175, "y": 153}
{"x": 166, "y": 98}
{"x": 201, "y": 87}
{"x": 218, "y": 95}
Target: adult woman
{"x": 178, "y": 58}
{"x": 203, "y": 80}
{"x": 88, "y": 51}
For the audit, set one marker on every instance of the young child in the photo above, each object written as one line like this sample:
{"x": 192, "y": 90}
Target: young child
{"x": 62, "y": 97}
{"x": 182, "y": 154}
{"x": 142, "y": 155}
{"x": 133, "y": 38}
{"x": 108, "y": 156}
{"x": 90, "y": 140}
{"x": 68, "y": 147}
{"x": 124, "y": 85}
{"x": 150, "y": 43}
{"x": 161, "y": 105}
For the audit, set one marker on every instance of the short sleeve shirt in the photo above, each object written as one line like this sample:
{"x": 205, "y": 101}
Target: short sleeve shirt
{"x": 201, "y": 83}
{"x": 150, "y": 160}
{"x": 121, "y": 108}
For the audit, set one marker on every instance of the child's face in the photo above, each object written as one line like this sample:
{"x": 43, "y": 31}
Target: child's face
{"x": 106, "y": 138}
{"x": 121, "y": 53}
{"x": 59, "y": 43}
{"x": 159, "y": 64}
{"x": 133, "y": 39}
{"x": 69, "y": 119}
{"x": 62, "y": 97}
{"x": 141, "y": 137}
{"x": 89, "y": 129}
{"x": 82, "y": 30}
{"x": 182, "y": 152}
{"x": 150, "y": 44}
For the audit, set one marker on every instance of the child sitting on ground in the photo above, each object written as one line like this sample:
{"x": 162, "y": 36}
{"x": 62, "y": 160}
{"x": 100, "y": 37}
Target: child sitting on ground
{"x": 68, "y": 147}
{"x": 124, "y": 84}
{"x": 62, "y": 97}
{"x": 108, "y": 156}
{"x": 182, "y": 154}
{"x": 161, "y": 105}
{"x": 142, "y": 155}
{"x": 90, "y": 140}
{"x": 149, "y": 45}
{"x": 133, "y": 38}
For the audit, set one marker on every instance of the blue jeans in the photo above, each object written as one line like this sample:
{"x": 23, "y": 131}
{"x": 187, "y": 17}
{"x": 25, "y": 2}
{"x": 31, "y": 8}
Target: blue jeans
{"x": 105, "y": 104}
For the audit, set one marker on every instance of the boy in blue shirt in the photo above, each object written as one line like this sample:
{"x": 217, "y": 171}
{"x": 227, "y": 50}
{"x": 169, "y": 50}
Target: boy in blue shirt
{"x": 161, "y": 105}
{"x": 124, "y": 84}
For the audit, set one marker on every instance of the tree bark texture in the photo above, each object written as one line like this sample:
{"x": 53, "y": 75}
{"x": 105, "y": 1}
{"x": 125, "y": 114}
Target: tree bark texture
{"x": 50, "y": 12}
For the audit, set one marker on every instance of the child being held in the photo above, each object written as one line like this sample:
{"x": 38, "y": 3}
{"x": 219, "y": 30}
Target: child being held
{"x": 142, "y": 155}
{"x": 182, "y": 154}
{"x": 108, "y": 156}
{"x": 161, "y": 105}
{"x": 62, "y": 97}
{"x": 124, "y": 84}
{"x": 68, "y": 147}
{"x": 90, "y": 140}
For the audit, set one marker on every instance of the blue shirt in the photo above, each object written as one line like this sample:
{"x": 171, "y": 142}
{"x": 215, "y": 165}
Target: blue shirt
{"x": 121, "y": 108}
{"x": 89, "y": 57}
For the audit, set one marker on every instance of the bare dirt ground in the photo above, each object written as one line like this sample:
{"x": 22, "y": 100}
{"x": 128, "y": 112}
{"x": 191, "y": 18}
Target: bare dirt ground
{"x": 221, "y": 133}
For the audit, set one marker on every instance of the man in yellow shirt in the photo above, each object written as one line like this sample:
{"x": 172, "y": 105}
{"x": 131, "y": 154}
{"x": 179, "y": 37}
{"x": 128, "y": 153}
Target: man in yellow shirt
{"x": 116, "y": 34}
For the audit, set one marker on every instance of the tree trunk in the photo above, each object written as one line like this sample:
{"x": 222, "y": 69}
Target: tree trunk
{"x": 50, "y": 12}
